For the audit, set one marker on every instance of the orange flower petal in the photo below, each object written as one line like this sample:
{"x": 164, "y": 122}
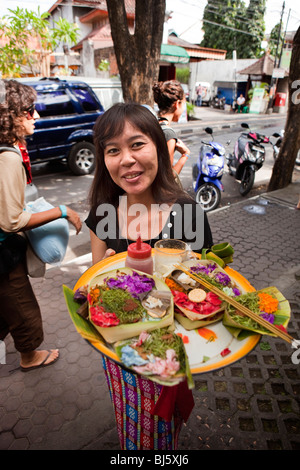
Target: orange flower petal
{"x": 207, "y": 334}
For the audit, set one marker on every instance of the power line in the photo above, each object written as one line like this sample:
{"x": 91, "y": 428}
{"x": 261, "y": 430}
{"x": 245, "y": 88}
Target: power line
{"x": 229, "y": 27}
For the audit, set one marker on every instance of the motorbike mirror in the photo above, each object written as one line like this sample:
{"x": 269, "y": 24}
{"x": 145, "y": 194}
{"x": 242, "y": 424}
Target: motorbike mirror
{"x": 276, "y": 134}
{"x": 244, "y": 124}
{"x": 208, "y": 130}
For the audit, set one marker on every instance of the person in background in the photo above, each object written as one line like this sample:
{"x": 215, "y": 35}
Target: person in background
{"x": 199, "y": 91}
{"x": 132, "y": 162}
{"x": 170, "y": 98}
{"x": 240, "y": 103}
{"x": 19, "y": 310}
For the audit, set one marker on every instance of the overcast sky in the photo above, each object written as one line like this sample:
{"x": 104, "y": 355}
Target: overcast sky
{"x": 187, "y": 14}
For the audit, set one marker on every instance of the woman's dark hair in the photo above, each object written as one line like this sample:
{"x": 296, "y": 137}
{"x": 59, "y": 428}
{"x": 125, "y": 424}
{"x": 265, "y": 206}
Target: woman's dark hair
{"x": 111, "y": 124}
{"x": 166, "y": 93}
{"x": 17, "y": 99}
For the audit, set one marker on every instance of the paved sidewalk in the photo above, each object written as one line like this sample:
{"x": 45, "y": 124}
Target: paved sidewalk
{"x": 252, "y": 404}
{"x": 221, "y": 119}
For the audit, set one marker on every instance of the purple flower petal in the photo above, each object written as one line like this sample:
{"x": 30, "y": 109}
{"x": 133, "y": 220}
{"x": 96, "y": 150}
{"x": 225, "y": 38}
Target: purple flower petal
{"x": 135, "y": 284}
{"x": 236, "y": 291}
{"x": 222, "y": 278}
{"x": 268, "y": 317}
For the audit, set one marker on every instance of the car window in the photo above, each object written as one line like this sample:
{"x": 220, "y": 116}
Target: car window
{"x": 87, "y": 101}
{"x": 53, "y": 103}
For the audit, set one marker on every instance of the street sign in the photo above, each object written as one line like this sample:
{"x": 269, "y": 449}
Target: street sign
{"x": 257, "y": 99}
{"x": 278, "y": 73}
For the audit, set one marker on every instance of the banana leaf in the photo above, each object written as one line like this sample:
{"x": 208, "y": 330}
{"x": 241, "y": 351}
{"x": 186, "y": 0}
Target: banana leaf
{"x": 193, "y": 324}
{"x": 84, "y": 327}
{"x": 180, "y": 376}
{"x": 242, "y": 326}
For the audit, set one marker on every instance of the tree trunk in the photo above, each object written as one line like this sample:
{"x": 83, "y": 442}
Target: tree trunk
{"x": 137, "y": 54}
{"x": 284, "y": 164}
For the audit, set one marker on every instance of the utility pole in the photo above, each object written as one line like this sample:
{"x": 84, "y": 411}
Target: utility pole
{"x": 234, "y": 71}
{"x": 279, "y": 33}
{"x": 283, "y": 39}
{"x": 272, "y": 87}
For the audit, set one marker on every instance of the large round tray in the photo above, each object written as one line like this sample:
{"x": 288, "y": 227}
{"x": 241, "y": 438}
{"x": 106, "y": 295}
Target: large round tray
{"x": 204, "y": 353}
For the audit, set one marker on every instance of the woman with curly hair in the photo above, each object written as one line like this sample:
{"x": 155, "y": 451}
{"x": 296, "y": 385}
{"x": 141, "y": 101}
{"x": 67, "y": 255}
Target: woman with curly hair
{"x": 170, "y": 99}
{"x": 19, "y": 310}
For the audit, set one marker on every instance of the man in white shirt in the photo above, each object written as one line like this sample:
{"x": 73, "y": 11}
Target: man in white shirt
{"x": 240, "y": 102}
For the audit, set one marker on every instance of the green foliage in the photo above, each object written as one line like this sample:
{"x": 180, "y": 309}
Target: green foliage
{"x": 183, "y": 75}
{"x": 230, "y": 25}
{"x": 104, "y": 65}
{"x": 65, "y": 32}
{"x": 190, "y": 109}
{"x": 273, "y": 41}
{"x": 264, "y": 85}
{"x": 22, "y": 25}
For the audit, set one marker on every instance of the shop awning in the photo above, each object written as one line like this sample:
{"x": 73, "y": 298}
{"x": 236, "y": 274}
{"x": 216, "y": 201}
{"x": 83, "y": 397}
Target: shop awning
{"x": 174, "y": 54}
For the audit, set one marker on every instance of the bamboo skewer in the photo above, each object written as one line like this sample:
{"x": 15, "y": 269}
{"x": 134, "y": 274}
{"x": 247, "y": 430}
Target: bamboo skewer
{"x": 246, "y": 311}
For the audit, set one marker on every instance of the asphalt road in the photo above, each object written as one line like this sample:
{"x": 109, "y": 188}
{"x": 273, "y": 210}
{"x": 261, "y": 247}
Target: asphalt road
{"x": 56, "y": 182}
{"x": 58, "y": 185}
{"x": 231, "y": 186}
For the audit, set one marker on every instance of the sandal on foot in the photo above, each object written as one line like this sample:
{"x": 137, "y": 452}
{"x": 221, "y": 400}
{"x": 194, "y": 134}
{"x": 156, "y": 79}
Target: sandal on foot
{"x": 42, "y": 364}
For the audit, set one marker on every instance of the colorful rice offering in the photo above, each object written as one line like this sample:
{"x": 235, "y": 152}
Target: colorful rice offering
{"x": 159, "y": 355}
{"x": 122, "y": 303}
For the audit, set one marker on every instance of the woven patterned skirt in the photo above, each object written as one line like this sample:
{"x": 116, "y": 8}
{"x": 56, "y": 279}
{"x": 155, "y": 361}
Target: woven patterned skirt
{"x": 134, "y": 398}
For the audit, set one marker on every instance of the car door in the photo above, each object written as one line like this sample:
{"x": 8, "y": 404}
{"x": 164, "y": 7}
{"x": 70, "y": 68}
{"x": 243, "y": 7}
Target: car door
{"x": 58, "y": 118}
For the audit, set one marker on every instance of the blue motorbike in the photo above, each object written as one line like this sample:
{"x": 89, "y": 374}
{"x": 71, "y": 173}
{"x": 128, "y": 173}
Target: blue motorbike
{"x": 208, "y": 172}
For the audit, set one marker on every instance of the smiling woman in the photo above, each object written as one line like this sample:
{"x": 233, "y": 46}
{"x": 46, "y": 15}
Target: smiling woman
{"x": 134, "y": 175}
{"x": 132, "y": 162}
{"x": 133, "y": 172}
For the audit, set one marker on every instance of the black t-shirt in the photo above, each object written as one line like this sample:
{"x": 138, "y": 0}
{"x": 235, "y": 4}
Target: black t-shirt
{"x": 187, "y": 222}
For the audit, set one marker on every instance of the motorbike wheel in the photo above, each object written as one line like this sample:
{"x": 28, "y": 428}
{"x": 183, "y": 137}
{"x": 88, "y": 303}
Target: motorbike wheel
{"x": 247, "y": 181}
{"x": 208, "y": 196}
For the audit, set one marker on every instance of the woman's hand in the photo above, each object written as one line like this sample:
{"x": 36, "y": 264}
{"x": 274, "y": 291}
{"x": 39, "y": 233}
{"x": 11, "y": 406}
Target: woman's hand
{"x": 109, "y": 252}
{"x": 74, "y": 219}
{"x": 181, "y": 147}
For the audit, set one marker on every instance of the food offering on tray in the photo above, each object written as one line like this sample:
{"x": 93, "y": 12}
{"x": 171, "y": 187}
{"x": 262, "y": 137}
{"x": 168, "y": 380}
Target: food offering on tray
{"x": 124, "y": 302}
{"x": 196, "y": 306}
{"x": 158, "y": 354}
{"x": 268, "y": 303}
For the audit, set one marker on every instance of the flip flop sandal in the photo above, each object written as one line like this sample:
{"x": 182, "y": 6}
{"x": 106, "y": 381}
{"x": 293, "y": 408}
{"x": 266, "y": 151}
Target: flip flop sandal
{"x": 42, "y": 364}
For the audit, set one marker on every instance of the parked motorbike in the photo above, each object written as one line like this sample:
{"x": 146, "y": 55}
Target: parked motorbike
{"x": 208, "y": 172}
{"x": 277, "y": 144}
{"x": 247, "y": 158}
{"x": 218, "y": 102}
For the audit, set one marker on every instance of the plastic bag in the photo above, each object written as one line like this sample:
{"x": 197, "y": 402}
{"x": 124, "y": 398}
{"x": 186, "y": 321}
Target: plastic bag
{"x": 49, "y": 241}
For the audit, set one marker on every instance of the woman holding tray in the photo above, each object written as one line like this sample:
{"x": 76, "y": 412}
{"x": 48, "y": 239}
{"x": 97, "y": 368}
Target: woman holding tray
{"x": 134, "y": 175}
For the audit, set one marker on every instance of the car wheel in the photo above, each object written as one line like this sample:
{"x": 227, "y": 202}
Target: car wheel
{"x": 82, "y": 158}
